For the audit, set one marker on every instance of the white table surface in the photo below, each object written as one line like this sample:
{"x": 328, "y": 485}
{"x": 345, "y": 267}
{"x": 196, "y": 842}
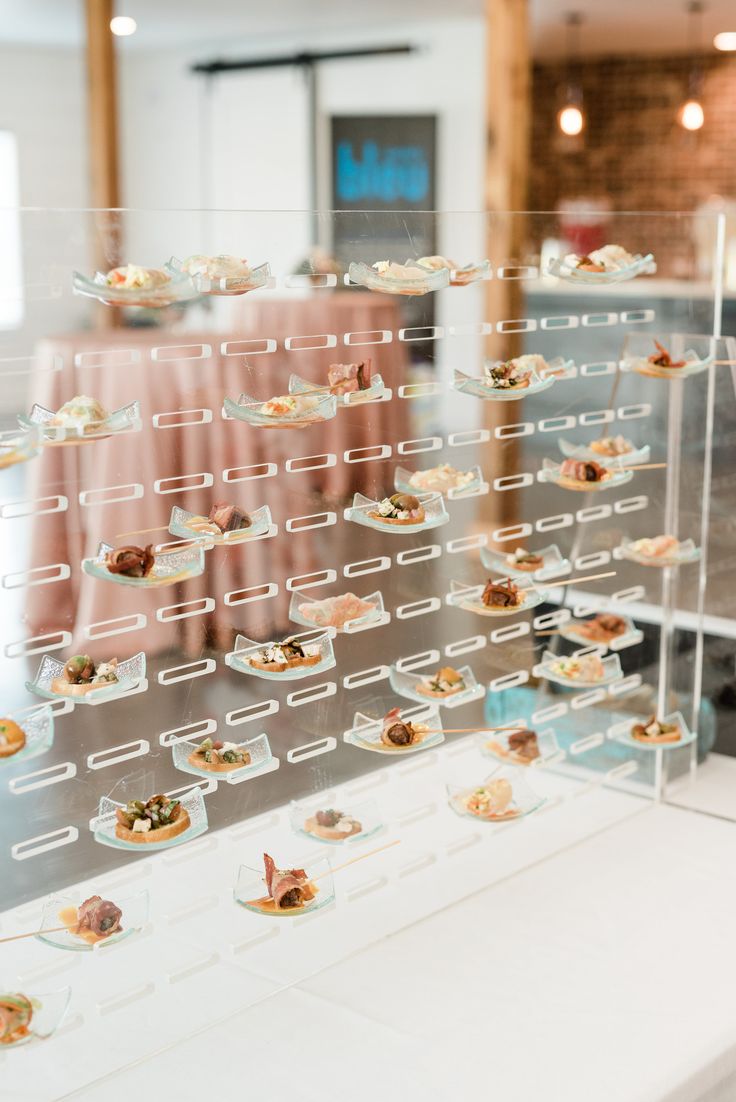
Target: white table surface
{"x": 605, "y": 973}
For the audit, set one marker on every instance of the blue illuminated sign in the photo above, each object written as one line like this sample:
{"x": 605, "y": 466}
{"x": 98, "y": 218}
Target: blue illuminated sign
{"x": 381, "y": 174}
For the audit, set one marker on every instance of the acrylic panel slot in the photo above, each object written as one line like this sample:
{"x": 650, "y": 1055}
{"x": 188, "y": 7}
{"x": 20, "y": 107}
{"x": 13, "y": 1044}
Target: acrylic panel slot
{"x": 113, "y": 755}
{"x": 103, "y": 629}
{"x": 42, "y": 843}
{"x": 55, "y": 640}
{"x": 251, "y": 712}
{"x": 508, "y": 681}
{"x": 182, "y": 483}
{"x": 248, "y": 348}
{"x": 39, "y": 575}
{"x": 465, "y": 646}
{"x": 251, "y": 593}
{"x": 110, "y": 495}
{"x": 310, "y": 342}
{"x": 418, "y": 554}
{"x": 312, "y": 694}
{"x": 365, "y": 677}
{"x": 183, "y": 418}
{"x": 249, "y": 473}
{"x": 466, "y": 543}
{"x": 311, "y": 750}
{"x": 369, "y": 336}
{"x": 42, "y": 778}
{"x": 187, "y": 672}
{"x": 202, "y": 728}
{"x": 13, "y": 510}
{"x": 185, "y": 610}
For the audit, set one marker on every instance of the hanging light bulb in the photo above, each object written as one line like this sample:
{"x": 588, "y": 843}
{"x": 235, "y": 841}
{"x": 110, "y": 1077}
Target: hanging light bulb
{"x": 570, "y": 120}
{"x": 570, "y": 117}
{"x": 691, "y": 115}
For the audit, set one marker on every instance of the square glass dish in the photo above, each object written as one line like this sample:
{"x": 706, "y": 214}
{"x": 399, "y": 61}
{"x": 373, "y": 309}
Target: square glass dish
{"x": 617, "y": 476}
{"x": 365, "y": 511}
{"x": 130, "y": 673}
{"x": 19, "y": 447}
{"x": 586, "y": 453}
{"x": 178, "y": 287}
{"x": 478, "y": 386}
{"x": 46, "y": 1011}
{"x": 554, "y": 564}
{"x": 367, "y": 730}
{"x": 63, "y": 908}
{"x": 104, "y": 823}
{"x": 415, "y": 687}
{"x": 258, "y": 748}
{"x": 469, "y": 597}
{"x": 495, "y": 744}
{"x": 684, "y": 553}
{"x": 680, "y": 354}
{"x": 504, "y": 795}
{"x": 635, "y": 265}
{"x": 626, "y": 638}
{"x": 445, "y": 480}
{"x": 295, "y": 411}
{"x": 123, "y": 420}
{"x": 169, "y": 567}
{"x": 37, "y": 725}
{"x": 417, "y": 281}
{"x": 194, "y": 526}
{"x": 250, "y": 889}
{"x": 550, "y": 668}
{"x": 317, "y": 643}
{"x": 362, "y": 818}
{"x": 346, "y": 612}
{"x": 238, "y": 283}
{"x": 621, "y": 732}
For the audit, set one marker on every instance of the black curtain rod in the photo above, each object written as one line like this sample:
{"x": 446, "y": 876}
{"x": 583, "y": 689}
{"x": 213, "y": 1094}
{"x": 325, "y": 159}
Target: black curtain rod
{"x": 302, "y": 59}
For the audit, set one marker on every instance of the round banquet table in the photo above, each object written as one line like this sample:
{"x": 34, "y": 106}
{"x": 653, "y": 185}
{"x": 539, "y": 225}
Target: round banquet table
{"x": 156, "y": 367}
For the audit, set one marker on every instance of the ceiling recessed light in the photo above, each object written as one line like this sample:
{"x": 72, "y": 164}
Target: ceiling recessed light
{"x": 726, "y": 40}
{"x": 123, "y": 25}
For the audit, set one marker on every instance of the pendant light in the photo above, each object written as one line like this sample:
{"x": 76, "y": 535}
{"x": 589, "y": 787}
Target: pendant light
{"x": 570, "y": 117}
{"x": 691, "y": 115}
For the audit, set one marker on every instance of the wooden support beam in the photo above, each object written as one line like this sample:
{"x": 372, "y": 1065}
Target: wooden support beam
{"x": 508, "y": 113}
{"x": 103, "y": 126}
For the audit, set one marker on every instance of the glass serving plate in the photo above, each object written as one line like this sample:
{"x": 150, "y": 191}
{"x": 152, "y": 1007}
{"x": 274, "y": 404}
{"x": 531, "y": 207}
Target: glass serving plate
{"x": 246, "y": 648}
{"x": 169, "y": 567}
{"x": 300, "y": 601}
{"x": 524, "y": 800}
{"x": 627, "y": 638}
{"x": 697, "y": 350}
{"x": 365, "y": 275}
{"x": 125, "y": 419}
{"x": 261, "y": 526}
{"x": 586, "y": 453}
{"x": 495, "y": 744}
{"x": 408, "y": 684}
{"x": 259, "y": 749}
{"x": 468, "y": 597}
{"x": 135, "y": 910}
{"x": 477, "y": 388}
{"x": 554, "y": 564}
{"x": 37, "y": 725}
{"x": 366, "y": 812}
{"x": 435, "y": 514}
{"x": 639, "y": 265}
{"x": 19, "y": 447}
{"x": 374, "y": 392}
{"x": 49, "y": 1008}
{"x": 477, "y": 486}
{"x": 250, "y": 279}
{"x": 618, "y": 476}
{"x": 103, "y": 824}
{"x": 250, "y": 889}
{"x": 686, "y": 553}
{"x": 621, "y": 732}
{"x": 611, "y": 669}
{"x": 249, "y": 410}
{"x": 366, "y": 731}
{"x": 130, "y": 673}
{"x": 180, "y": 288}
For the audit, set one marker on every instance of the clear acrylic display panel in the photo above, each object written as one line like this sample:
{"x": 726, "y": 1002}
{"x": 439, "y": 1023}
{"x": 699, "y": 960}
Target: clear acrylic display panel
{"x": 180, "y": 363}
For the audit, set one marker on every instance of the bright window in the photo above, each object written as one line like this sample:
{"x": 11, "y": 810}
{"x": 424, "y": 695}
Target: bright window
{"x": 11, "y": 270}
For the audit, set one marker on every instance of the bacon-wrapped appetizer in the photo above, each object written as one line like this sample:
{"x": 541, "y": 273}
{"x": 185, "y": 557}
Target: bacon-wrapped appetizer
{"x": 134, "y": 562}
{"x": 573, "y": 472}
{"x": 288, "y": 889}
{"x": 349, "y": 378}
{"x": 94, "y": 920}
{"x": 503, "y": 594}
{"x": 602, "y": 628}
{"x": 397, "y": 734}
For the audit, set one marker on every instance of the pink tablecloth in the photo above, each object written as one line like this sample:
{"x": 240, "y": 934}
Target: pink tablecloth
{"x": 164, "y": 384}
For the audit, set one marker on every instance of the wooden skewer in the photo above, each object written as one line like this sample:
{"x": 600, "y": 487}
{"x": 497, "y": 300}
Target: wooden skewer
{"x": 360, "y": 857}
{"x": 725, "y": 363}
{"x": 472, "y": 730}
{"x": 646, "y": 467}
{"x": 553, "y": 584}
{"x": 141, "y": 532}
{"x": 34, "y": 933}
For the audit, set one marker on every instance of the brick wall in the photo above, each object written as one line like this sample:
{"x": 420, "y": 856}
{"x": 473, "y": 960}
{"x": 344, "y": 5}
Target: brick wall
{"x": 632, "y": 149}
